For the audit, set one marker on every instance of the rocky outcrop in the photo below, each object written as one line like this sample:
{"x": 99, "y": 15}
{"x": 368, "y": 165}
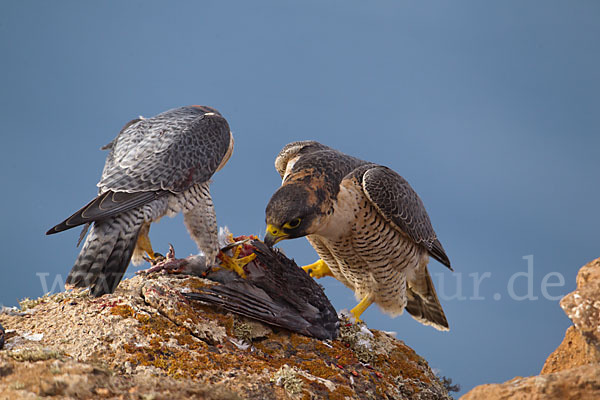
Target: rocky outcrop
{"x": 572, "y": 371}
{"x": 146, "y": 340}
{"x": 574, "y": 351}
{"x": 583, "y": 305}
{"x": 577, "y": 383}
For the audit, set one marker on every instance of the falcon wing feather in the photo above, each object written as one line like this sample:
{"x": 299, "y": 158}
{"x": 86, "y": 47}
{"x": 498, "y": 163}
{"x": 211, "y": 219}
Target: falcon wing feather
{"x": 172, "y": 151}
{"x": 397, "y": 202}
{"x": 151, "y": 157}
{"x": 104, "y": 206}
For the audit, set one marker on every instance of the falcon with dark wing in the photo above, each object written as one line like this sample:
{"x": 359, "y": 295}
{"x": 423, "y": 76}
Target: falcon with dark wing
{"x": 368, "y": 226}
{"x": 156, "y": 166}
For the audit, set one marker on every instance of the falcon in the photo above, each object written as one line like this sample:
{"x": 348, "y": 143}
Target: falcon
{"x": 156, "y": 166}
{"x": 368, "y": 226}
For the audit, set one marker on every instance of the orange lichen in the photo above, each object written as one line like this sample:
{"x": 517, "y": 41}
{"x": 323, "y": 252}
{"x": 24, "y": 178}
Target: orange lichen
{"x": 318, "y": 367}
{"x": 169, "y": 345}
{"x": 196, "y": 283}
{"x": 406, "y": 364}
{"x": 341, "y": 393}
{"x": 124, "y": 311}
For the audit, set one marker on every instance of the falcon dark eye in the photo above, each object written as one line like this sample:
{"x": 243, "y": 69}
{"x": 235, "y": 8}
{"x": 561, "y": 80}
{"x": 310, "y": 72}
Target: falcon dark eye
{"x": 293, "y": 224}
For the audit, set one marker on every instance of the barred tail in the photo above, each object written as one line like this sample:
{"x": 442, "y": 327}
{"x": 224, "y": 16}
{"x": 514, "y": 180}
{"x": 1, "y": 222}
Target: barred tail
{"x": 423, "y": 303}
{"x": 106, "y": 253}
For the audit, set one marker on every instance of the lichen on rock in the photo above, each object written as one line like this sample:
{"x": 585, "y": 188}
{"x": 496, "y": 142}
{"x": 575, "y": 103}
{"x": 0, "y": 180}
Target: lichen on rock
{"x": 287, "y": 377}
{"x": 147, "y": 340}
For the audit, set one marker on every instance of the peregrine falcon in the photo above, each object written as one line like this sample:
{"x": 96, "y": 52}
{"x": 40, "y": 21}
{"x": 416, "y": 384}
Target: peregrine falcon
{"x": 156, "y": 166}
{"x": 368, "y": 226}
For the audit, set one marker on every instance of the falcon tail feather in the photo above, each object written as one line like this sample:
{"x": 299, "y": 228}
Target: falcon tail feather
{"x": 423, "y": 303}
{"x": 106, "y": 253}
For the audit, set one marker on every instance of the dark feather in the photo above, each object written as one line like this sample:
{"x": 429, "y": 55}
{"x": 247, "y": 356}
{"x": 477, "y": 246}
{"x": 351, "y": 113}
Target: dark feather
{"x": 397, "y": 202}
{"x": 276, "y": 291}
{"x": 106, "y": 205}
{"x": 422, "y": 301}
{"x": 106, "y": 253}
{"x": 437, "y": 252}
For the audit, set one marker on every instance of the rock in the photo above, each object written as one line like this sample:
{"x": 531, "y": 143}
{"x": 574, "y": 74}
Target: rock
{"x": 589, "y": 273}
{"x": 146, "y": 340}
{"x": 574, "y": 351}
{"x": 79, "y": 380}
{"x": 583, "y": 305}
{"x": 575, "y": 383}
{"x": 572, "y": 371}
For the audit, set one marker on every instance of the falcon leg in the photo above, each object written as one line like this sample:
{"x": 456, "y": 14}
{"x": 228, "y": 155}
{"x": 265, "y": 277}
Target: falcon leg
{"x": 318, "y": 269}
{"x": 201, "y": 223}
{"x": 143, "y": 243}
{"x": 362, "y": 306}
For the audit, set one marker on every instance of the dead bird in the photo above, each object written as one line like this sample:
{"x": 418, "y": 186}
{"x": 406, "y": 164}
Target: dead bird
{"x": 270, "y": 288}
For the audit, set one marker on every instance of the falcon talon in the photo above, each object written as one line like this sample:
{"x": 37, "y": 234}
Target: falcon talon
{"x": 318, "y": 269}
{"x": 236, "y": 264}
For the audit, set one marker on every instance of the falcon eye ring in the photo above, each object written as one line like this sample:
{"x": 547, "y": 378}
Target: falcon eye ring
{"x": 293, "y": 223}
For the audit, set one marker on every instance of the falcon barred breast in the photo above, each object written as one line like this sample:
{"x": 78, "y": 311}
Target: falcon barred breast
{"x": 368, "y": 226}
{"x": 156, "y": 166}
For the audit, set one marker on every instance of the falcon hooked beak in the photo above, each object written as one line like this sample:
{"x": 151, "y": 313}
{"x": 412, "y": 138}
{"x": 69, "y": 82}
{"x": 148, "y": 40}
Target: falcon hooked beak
{"x": 274, "y": 234}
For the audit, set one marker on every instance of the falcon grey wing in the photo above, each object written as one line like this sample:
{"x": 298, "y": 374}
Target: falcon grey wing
{"x": 156, "y": 166}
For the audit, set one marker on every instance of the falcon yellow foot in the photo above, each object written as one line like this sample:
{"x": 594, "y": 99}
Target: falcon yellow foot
{"x": 318, "y": 269}
{"x": 362, "y": 306}
{"x": 234, "y": 263}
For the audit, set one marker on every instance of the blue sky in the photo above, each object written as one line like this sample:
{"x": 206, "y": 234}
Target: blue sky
{"x": 488, "y": 109}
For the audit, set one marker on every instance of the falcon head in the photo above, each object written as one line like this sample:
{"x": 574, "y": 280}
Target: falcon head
{"x": 295, "y": 210}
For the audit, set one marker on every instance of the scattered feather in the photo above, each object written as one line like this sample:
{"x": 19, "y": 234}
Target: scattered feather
{"x": 34, "y": 337}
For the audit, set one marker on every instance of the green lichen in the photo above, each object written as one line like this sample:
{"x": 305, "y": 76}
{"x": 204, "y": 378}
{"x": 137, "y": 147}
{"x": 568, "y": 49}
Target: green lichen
{"x": 17, "y": 386}
{"x": 287, "y": 377}
{"x": 27, "y": 303}
{"x": 359, "y": 341}
{"x": 35, "y": 355}
{"x": 55, "y": 370}
{"x": 242, "y": 331}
